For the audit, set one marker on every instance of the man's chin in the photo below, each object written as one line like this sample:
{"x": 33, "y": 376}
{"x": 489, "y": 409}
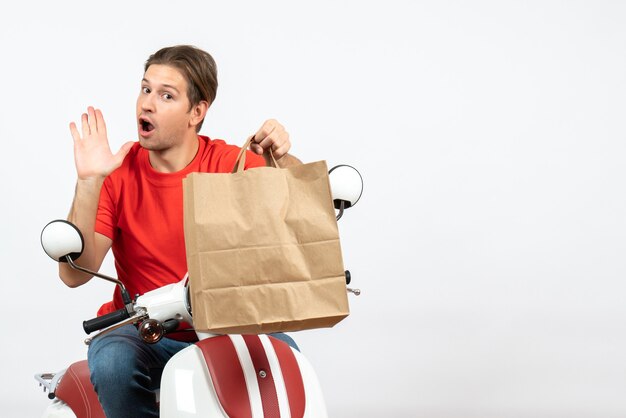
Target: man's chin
{"x": 147, "y": 143}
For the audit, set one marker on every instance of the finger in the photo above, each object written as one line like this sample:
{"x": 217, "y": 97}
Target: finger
{"x": 275, "y": 140}
{"x": 283, "y": 139}
{"x": 281, "y": 151}
{"x": 92, "y": 119}
{"x": 74, "y": 132}
{"x": 266, "y": 129}
{"x": 256, "y": 148}
{"x": 84, "y": 124}
{"x": 267, "y": 142}
{"x": 102, "y": 127}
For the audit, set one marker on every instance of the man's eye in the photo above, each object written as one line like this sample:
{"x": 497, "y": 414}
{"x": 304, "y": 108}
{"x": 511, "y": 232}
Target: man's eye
{"x": 167, "y": 96}
{"x": 145, "y": 90}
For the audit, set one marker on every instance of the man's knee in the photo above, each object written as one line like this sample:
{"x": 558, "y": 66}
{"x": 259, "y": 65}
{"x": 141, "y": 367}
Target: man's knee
{"x": 112, "y": 359}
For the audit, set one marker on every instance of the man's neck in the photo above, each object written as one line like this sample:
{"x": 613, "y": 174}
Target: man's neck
{"x": 176, "y": 158}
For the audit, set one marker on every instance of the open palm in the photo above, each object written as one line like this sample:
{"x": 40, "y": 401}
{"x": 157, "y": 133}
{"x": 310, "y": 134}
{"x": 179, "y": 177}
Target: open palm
{"x": 92, "y": 153}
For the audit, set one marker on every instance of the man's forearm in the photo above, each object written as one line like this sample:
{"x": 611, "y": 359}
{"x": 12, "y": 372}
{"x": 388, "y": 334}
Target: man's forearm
{"x": 83, "y": 215}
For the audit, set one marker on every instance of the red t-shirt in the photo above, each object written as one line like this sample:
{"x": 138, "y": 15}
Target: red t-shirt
{"x": 141, "y": 210}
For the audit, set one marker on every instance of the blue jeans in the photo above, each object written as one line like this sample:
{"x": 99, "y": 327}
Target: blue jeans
{"x": 125, "y": 371}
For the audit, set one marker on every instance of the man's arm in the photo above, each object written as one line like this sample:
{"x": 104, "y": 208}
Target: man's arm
{"x": 83, "y": 215}
{"x": 94, "y": 161}
{"x": 288, "y": 160}
{"x": 272, "y": 134}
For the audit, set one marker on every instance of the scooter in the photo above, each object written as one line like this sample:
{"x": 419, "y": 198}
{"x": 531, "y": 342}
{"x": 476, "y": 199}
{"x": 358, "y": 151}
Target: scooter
{"x": 233, "y": 376}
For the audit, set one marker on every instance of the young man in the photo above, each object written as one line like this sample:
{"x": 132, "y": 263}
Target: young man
{"x": 131, "y": 202}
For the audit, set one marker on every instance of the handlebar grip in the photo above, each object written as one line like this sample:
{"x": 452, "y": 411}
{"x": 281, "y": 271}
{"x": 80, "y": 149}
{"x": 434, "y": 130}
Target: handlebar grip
{"x": 170, "y": 325}
{"x": 104, "y": 321}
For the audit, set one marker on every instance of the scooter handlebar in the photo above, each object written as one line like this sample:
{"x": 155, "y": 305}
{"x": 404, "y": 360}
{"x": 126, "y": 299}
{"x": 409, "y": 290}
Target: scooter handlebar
{"x": 105, "y": 321}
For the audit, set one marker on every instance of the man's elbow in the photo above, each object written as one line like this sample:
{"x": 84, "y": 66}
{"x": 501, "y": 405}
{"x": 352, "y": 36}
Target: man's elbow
{"x": 73, "y": 280}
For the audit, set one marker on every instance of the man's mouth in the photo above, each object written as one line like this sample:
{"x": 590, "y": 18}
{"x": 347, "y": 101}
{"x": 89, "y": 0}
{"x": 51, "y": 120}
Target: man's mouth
{"x": 145, "y": 126}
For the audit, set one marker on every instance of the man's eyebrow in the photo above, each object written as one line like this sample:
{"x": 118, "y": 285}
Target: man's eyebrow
{"x": 167, "y": 86}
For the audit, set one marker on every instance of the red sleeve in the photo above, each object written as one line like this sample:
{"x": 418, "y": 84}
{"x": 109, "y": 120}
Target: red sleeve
{"x": 226, "y": 155}
{"x": 106, "y": 218}
{"x": 220, "y": 157}
{"x": 253, "y": 160}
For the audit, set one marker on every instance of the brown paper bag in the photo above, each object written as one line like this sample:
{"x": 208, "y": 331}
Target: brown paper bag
{"x": 263, "y": 250}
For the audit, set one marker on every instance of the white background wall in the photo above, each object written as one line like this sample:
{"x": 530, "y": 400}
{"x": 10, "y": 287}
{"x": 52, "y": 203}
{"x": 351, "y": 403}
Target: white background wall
{"x": 489, "y": 243}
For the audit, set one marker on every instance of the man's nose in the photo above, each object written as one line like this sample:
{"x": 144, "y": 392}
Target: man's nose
{"x": 147, "y": 103}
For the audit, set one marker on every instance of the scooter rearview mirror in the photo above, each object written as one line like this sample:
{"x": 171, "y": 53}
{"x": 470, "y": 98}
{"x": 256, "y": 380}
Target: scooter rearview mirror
{"x": 346, "y": 184}
{"x": 60, "y": 239}
{"x": 63, "y": 242}
{"x": 346, "y": 187}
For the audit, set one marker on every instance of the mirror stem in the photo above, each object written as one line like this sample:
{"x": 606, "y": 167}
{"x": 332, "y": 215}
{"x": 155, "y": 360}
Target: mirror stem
{"x": 342, "y": 205}
{"x": 125, "y": 296}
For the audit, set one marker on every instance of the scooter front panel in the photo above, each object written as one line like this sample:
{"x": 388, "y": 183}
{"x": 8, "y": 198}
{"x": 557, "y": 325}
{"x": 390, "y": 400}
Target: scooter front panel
{"x": 268, "y": 374}
{"x": 186, "y": 387}
{"x": 263, "y": 373}
{"x": 291, "y": 375}
{"x": 230, "y": 376}
{"x": 315, "y": 405}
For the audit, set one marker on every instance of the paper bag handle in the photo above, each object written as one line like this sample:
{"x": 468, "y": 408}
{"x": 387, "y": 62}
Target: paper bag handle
{"x": 270, "y": 161}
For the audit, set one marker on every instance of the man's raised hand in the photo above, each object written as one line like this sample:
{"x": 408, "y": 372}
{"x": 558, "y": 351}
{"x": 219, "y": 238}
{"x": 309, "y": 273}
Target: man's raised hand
{"x": 92, "y": 153}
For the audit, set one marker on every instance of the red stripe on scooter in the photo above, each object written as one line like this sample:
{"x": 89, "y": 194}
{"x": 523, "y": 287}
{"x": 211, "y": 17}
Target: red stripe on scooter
{"x": 267, "y": 387}
{"x": 227, "y": 375}
{"x": 292, "y": 377}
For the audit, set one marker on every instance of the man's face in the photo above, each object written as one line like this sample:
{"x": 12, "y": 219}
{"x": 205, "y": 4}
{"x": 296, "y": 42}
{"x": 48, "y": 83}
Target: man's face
{"x": 163, "y": 114}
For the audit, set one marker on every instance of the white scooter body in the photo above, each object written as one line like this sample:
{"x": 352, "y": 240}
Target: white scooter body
{"x": 187, "y": 390}
{"x": 190, "y": 388}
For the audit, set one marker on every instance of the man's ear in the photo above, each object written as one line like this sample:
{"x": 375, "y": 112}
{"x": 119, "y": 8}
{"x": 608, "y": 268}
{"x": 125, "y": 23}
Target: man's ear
{"x": 198, "y": 112}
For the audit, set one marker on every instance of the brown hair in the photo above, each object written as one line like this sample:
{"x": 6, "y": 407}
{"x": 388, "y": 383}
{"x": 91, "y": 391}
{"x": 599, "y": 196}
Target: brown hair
{"x": 196, "y": 65}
